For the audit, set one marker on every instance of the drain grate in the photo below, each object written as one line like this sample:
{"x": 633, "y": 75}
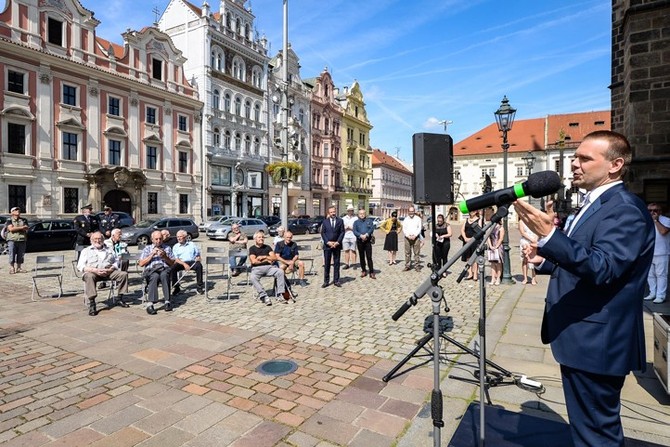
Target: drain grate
{"x": 277, "y": 367}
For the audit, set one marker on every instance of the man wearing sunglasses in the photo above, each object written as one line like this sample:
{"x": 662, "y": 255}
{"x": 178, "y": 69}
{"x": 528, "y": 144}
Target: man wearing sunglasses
{"x": 658, "y": 273}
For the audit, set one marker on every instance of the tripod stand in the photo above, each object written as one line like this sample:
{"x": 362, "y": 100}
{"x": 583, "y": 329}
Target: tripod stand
{"x": 431, "y": 287}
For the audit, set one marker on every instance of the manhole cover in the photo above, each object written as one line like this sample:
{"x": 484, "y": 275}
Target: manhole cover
{"x": 277, "y": 367}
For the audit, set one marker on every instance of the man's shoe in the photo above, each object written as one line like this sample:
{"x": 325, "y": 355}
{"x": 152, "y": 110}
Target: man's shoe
{"x": 168, "y": 306}
{"x": 337, "y": 284}
{"x": 372, "y": 276}
{"x": 303, "y": 283}
{"x": 418, "y": 269}
{"x": 659, "y": 301}
{"x": 122, "y": 303}
{"x": 176, "y": 290}
{"x": 267, "y": 300}
{"x": 345, "y": 267}
{"x": 324, "y": 285}
{"x": 151, "y": 310}
{"x": 92, "y": 311}
{"x": 649, "y": 297}
{"x": 200, "y": 290}
{"x": 406, "y": 269}
{"x": 364, "y": 274}
{"x": 236, "y": 273}
{"x": 102, "y": 285}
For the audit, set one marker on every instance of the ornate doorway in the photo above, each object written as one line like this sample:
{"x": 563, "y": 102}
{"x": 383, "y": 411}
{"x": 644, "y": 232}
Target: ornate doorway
{"x": 119, "y": 200}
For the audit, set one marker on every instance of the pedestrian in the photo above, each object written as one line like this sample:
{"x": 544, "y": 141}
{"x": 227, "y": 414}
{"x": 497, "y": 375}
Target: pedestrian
{"x": 442, "y": 232}
{"x": 364, "y": 231}
{"x": 658, "y": 273}
{"x": 16, "y": 234}
{"x": 391, "y": 227}
{"x": 332, "y": 234}
{"x": 527, "y": 238}
{"x": 411, "y": 227}
{"x": 494, "y": 253}
{"x": 349, "y": 241}
{"x": 593, "y": 316}
{"x": 471, "y": 226}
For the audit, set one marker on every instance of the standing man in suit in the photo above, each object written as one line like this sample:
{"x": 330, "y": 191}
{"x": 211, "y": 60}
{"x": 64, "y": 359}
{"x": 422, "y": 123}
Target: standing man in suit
{"x": 593, "y": 310}
{"x": 86, "y": 224}
{"x": 332, "y": 233}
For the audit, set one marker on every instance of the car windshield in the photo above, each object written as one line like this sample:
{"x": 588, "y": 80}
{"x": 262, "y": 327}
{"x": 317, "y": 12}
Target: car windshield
{"x": 229, "y": 221}
{"x": 214, "y": 219}
{"x": 145, "y": 223}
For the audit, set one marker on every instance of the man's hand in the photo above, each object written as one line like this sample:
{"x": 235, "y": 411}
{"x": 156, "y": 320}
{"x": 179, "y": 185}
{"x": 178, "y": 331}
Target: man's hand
{"x": 537, "y": 221}
{"x": 530, "y": 253}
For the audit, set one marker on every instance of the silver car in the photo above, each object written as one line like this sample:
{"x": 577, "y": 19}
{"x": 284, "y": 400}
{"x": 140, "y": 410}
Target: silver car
{"x": 212, "y": 221}
{"x": 248, "y": 226}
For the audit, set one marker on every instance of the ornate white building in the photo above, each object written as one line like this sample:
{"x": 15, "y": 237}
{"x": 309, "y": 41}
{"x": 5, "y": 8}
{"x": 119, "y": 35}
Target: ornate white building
{"x": 391, "y": 185}
{"x": 228, "y": 63}
{"x": 84, "y": 120}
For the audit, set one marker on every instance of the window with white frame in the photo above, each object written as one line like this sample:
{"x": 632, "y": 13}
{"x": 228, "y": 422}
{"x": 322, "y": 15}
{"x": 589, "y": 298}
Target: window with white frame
{"x": 183, "y": 162}
{"x": 217, "y": 137}
{"x": 247, "y": 109}
{"x": 152, "y": 157}
{"x": 69, "y": 149}
{"x": 257, "y": 112}
{"x": 16, "y": 82}
{"x": 519, "y": 171}
{"x": 216, "y": 100}
{"x": 257, "y": 146}
{"x": 114, "y": 106}
{"x": 226, "y": 102}
{"x": 226, "y": 139}
{"x": 114, "y": 155}
{"x": 247, "y": 145}
{"x": 16, "y": 196}
{"x": 183, "y": 203}
{"x": 238, "y": 106}
{"x": 69, "y": 95}
{"x": 55, "y": 31}
{"x": 182, "y": 123}
{"x": 70, "y": 200}
{"x": 157, "y": 69}
{"x": 151, "y": 115}
{"x": 152, "y": 203}
{"x": 16, "y": 138}
{"x": 238, "y": 142}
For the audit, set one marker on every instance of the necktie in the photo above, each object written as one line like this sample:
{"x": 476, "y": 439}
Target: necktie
{"x": 332, "y": 223}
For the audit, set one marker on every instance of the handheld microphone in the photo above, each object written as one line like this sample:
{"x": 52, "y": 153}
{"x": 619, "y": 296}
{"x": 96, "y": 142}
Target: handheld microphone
{"x": 539, "y": 184}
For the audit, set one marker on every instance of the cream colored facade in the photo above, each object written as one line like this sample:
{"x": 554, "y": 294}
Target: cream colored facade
{"x": 84, "y": 120}
{"x": 357, "y": 152}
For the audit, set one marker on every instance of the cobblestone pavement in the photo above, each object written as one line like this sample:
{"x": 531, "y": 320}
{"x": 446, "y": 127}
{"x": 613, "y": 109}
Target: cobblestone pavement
{"x": 190, "y": 377}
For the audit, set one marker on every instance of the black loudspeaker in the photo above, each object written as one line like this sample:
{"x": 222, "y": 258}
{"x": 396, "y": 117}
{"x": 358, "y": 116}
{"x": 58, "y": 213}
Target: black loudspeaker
{"x": 433, "y": 169}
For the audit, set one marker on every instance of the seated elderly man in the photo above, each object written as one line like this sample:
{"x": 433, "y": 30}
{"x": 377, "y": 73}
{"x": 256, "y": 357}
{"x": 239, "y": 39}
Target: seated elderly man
{"x": 157, "y": 260}
{"x": 186, "y": 257}
{"x": 262, "y": 257}
{"x": 97, "y": 263}
{"x": 288, "y": 257}
{"x": 119, "y": 248}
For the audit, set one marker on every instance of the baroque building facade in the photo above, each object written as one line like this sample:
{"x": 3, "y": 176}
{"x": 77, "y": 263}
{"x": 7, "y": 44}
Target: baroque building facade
{"x": 326, "y": 119}
{"x": 228, "y": 63}
{"x": 84, "y": 120}
{"x": 357, "y": 152}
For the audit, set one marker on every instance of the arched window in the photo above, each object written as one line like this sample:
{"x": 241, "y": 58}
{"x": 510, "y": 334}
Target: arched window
{"x": 301, "y": 116}
{"x": 257, "y": 146}
{"x": 247, "y": 109}
{"x": 238, "y": 69}
{"x": 238, "y": 142}
{"x": 238, "y": 106}
{"x": 256, "y": 77}
{"x": 228, "y": 20}
{"x": 247, "y": 32}
{"x": 217, "y": 137}
{"x": 212, "y": 59}
{"x": 218, "y": 62}
{"x": 216, "y": 101}
{"x": 257, "y": 112}
{"x": 226, "y": 139}
{"x": 247, "y": 144}
{"x": 226, "y": 102}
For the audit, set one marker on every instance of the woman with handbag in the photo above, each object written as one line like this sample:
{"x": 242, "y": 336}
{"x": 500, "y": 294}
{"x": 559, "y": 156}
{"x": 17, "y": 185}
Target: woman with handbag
{"x": 442, "y": 243}
{"x": 470, "y": 227}
{"x": 391, "y": 227}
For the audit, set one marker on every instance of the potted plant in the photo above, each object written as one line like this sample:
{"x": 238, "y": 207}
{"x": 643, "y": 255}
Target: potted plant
{"x": 284, "y": 171}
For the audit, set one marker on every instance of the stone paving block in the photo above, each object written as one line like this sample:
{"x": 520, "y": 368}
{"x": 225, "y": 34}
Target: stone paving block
{"x": 342, "y": 411}
{"x": 81, "y": 437}
{"x": 164, "y": 398}
{"x": 214, "y": 436}
{"x": 127, "y": 437}
{"x": 300, "y": 439}
{"x": 379, "y": 422}
{"x": 265, "y": 434}
{"x": 205, "y": 418}
{"x": 156, "y": 422}
{"x": 170, "y": 437}
{"x": 330, "y": 429}
{"x": 399, "y": 392}
{"x": 71, "y": 423}
{"x": 32, "y": 425}
{"x": 32, "y": 439}
{"x": 239, "y": 422}
{"x": 123, "y": 418}
{"x": 367, "y": 438}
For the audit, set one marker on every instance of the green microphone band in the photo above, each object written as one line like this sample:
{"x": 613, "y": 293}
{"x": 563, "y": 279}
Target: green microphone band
{"x": 518, "y": 190}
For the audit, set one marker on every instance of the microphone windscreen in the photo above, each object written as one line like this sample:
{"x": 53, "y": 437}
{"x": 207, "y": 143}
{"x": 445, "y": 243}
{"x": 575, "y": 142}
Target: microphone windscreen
{"x": 544, "y": 183}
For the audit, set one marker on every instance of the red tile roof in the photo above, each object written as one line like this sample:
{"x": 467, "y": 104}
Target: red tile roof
{"x": 119, "y": 50}
{"x": 534, "y": 134}
{"x": 382, "y": 158}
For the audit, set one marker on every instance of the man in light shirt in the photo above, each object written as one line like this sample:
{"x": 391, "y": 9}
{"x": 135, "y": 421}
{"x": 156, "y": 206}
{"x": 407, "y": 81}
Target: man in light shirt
{"x": 411, "y": 227}
{"x": 349, "y": 241}
{"x": 658, "y": 273}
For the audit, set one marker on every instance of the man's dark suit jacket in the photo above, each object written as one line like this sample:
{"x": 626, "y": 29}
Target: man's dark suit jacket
{"x": 330, "y": 233}
{"x": 593, "y": 310}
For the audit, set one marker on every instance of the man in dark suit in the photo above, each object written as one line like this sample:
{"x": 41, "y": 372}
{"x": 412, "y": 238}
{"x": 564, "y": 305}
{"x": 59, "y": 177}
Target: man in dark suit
{"x": 593, "y": 310}
{"x": 332, "y": 233}
{"x": 86, "y": 224}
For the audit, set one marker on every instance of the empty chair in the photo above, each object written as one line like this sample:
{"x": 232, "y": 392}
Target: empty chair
{"x": 77, "y": 251}
{"x": 48, "y": 268}
{"x": 223, "y": 262}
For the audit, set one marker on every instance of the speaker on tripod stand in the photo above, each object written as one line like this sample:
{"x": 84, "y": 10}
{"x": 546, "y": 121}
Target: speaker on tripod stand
{"x": 433, "y": 169}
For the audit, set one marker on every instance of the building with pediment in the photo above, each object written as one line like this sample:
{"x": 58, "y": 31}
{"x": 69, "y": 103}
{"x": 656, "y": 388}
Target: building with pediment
{"x": 84, "y": 120}
{"x": 228, "y": 63}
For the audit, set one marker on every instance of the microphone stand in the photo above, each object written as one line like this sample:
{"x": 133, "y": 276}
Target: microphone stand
{"x": 431, "y": 287}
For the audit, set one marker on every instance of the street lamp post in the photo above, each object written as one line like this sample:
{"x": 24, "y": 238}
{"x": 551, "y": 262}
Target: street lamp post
{"x": 505, "y": 118}
{"x": 530, "y": 162}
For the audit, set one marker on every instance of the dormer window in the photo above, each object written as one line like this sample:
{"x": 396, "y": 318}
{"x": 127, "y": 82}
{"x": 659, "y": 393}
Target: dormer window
{"x": 55, "y": 32}
{"x": 157, "y": 72}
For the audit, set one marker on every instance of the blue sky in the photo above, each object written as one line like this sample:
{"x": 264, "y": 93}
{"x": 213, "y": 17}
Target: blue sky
{"x": 423, "y": 61}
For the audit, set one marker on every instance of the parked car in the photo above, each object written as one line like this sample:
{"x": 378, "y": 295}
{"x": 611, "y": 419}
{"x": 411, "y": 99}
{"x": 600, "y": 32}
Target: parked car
{"x": 125, "y": 219}
{"x": 296, "y": 226}
{"x": 376, "y": 220}
{"x": 211, "y": 221}
{"x": 54, "y": 234}
{"x": 141, "y": 232}
{"x": 315, "y": 224}
{"x": 269, "y": 220}
{"x": 248, "y": 226}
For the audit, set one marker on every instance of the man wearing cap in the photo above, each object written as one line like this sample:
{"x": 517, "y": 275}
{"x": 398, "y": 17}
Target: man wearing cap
{"x": 16, "y": 235}
{"x": 349, "y": 241}
{"x": 86, "y": 224}
{"x": 108, "y": 221}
